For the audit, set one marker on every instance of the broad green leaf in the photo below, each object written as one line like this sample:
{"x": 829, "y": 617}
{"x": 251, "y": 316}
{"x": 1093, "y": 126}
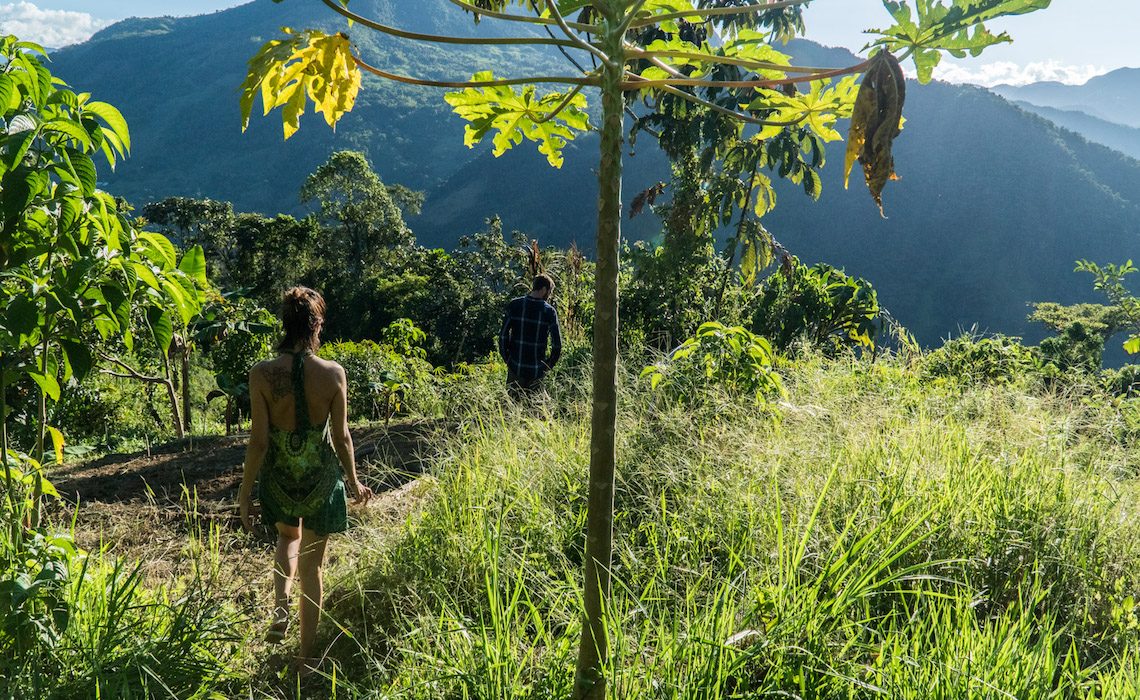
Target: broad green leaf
{"x": 114, "y": 120}
{"x": 159, "y": 250}
{"x": 85, "y": 170}
{"x": 69, "y": 129}
{"x": 185, "y": 305}
{"x": 146, "y": 275}
{"x": 21, "y": 315}
{"x": 515, "y": 115}
{"x": 161, "y": 328}
{"x": 47, "y": 384}
{"x": 194, "y": 265}
{"x": 1132, "y": 345}
{"x": 78, "y": 356}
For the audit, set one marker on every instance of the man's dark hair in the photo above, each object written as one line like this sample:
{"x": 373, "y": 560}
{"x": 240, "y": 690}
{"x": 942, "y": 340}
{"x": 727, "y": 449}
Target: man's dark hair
{"x": 542, "y": 281}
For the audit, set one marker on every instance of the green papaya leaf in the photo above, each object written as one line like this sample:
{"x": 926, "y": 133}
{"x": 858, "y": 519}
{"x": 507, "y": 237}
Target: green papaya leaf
{"x": 517, "y": 114}
{"x": 933, "y": 27}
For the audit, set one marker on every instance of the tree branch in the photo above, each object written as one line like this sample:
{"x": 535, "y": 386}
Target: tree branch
{"x": 440, "y": 39}
{"x": 561, "y": 105}
{"x": 562, "y": 79}
{"x": 578, "y": 41}
{"x": 588, "y": 28}
{"x": 766, "y": 83}
{"x": 657, "y": 84}
{"x": 716, "y": 11}
{"x": 635, "y": 52}
{"x": 132, "y": 373}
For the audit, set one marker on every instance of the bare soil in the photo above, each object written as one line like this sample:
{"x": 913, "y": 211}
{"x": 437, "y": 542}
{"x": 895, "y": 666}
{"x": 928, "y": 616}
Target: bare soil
{"x": 173, "y": 510}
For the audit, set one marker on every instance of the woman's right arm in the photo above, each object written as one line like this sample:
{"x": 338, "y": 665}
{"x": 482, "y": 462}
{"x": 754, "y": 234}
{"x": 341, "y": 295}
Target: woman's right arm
{"x": 342, "y": 440}
{"x": 258, "y": 444}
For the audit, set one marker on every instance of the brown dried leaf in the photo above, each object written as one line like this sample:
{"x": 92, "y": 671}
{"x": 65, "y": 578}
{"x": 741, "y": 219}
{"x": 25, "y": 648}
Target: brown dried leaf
{"x": 644, "y": 197}
{"x": 875, "y": 123}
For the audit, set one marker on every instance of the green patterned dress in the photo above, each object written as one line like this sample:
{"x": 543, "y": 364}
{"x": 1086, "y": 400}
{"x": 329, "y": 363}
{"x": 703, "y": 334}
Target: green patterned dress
{"x": 301, "y": 478}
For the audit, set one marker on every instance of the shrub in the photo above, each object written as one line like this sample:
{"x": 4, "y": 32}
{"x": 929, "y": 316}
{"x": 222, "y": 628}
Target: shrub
{"x": 971, "y": 360}
{"x": 1124, "y": 381}
{"x": 382, "y": 380}
{"x": 819, "y": 305}
{"x": 733, "y": 358}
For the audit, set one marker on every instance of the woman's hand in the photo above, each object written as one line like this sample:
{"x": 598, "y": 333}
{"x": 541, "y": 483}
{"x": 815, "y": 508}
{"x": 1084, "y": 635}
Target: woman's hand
{"x": 245, "y": 505}
{"x": 361, "y": 494}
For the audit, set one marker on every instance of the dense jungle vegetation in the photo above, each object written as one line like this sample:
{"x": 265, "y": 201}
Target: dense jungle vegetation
{"x": 806, "y": 501}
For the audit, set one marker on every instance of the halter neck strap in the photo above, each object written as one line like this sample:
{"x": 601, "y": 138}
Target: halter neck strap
{"x": 301, "y": 405}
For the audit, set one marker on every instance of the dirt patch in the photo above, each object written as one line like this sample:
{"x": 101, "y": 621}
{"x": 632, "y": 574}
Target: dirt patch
{"x": 173, "y": 509}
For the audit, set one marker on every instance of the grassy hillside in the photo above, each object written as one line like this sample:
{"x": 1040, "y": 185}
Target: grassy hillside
{"x": 877, "y": 533}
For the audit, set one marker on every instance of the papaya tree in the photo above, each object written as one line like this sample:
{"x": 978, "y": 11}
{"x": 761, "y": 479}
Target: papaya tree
{"x": 639, "y": 55}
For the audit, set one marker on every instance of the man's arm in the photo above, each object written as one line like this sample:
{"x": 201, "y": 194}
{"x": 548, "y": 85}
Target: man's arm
{"x": 505, "y": 335}
{"x": 555, "y": 340}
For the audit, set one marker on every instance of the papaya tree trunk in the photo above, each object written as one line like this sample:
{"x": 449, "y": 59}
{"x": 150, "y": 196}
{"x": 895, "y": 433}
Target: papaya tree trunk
{"x": 593, "y": 650}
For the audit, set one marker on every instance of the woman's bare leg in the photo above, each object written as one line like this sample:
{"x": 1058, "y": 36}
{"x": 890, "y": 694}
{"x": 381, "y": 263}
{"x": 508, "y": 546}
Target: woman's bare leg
{"x": 312, "y": 558}
{"x": 284, "y": 569}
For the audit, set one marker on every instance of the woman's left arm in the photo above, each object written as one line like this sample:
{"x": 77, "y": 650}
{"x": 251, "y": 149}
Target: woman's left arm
{"x": 258, "y": 445}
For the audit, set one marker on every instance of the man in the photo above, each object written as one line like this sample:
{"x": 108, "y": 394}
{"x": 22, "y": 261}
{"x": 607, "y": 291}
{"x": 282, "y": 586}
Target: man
{"x": 527, "y": 325}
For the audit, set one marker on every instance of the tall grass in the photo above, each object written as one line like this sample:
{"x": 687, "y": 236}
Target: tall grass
{"x": 879, "y": 537}
{"x": 76, "y": 624}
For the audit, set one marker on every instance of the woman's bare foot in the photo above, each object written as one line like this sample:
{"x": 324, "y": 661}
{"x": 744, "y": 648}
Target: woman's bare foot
{"x": 279, "y": 627}
{"x": 306, "y": 665}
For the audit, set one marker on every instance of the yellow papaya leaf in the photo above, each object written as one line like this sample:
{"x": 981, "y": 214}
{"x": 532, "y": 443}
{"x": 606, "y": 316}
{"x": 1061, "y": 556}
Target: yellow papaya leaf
{"x": 305, "y": 65}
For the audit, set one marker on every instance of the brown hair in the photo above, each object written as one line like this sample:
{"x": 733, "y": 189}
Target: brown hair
{"x": 302, "y": 312}
{"x": 542, "y": 281}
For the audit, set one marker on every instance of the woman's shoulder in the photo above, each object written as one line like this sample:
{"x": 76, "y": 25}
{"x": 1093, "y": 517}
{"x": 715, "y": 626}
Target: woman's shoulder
{"x": 326, "y": 366}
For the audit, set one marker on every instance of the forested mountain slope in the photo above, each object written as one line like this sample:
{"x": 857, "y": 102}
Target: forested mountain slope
{"x": 1114, "y": 96}
{"x": 176, "y": 81}
{"x": 994, "y": 204}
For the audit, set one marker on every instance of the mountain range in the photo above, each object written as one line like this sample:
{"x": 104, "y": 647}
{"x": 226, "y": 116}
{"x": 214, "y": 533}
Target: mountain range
{"x": 994, "y": 206}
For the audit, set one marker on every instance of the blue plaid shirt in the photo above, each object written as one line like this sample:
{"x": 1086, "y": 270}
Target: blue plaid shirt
{"x": 527, "y": 325}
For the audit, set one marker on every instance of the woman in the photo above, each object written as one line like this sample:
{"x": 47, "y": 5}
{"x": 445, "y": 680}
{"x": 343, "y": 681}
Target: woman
{"x": 299, "y": 402}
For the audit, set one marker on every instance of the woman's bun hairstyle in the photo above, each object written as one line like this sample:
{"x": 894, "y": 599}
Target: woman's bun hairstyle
{"x": 302, "y": 313}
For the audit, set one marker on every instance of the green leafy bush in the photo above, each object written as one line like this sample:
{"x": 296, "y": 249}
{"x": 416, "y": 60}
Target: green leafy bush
{"x": 1124, "y": 381}
{"x": 385, "y": 379}
{"x": 971, "y": 360}
{"x": 819, "y": 305}
{"x": 730, "y": 357}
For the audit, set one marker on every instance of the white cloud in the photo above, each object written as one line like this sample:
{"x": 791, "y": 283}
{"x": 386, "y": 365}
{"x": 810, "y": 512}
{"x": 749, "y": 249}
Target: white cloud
{"x": 990, "y": 74}
{"x": 51, "y": 28}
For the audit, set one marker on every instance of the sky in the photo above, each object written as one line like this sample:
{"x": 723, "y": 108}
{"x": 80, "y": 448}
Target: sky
{"x": 1071, "y": 41}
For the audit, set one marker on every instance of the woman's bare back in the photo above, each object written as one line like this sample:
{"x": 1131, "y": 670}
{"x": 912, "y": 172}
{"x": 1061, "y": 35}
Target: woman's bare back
{"x": 321, "y": 388}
